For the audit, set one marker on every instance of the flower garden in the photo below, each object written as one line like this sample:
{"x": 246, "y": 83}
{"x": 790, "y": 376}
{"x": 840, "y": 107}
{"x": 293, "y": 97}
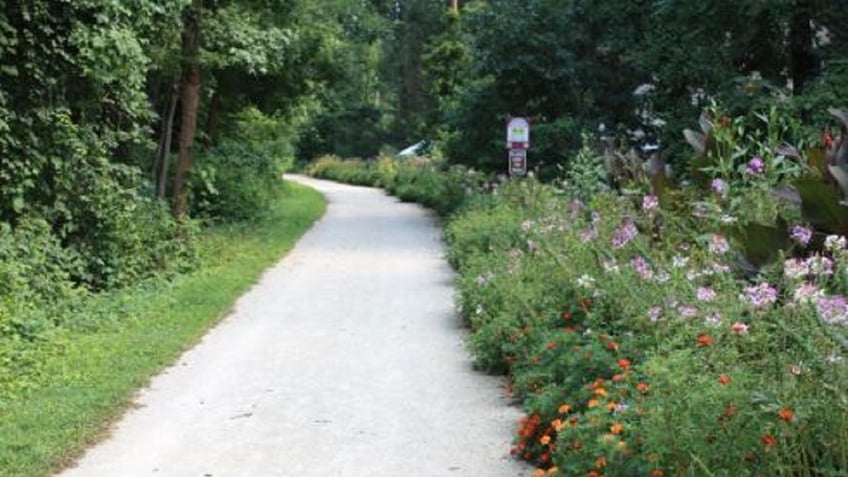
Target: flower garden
{"x": 661, "y": 327}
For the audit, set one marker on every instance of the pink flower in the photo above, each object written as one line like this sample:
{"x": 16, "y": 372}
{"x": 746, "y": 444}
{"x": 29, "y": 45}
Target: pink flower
{"x": 718, "y": 245}
{"x": 833, "y": 310}
{"x": 756, "y": 165}
{"x": 739, "y": 328}
{"x": 654, "y": 314}
{"x": 819, "y": 265}
{"x": 650, "y": 203}
{"x": 807, "y": 293}
{"x": 794, "y": 268}
{"x": 705, "y": 294}
{"x": 642, "y": 267}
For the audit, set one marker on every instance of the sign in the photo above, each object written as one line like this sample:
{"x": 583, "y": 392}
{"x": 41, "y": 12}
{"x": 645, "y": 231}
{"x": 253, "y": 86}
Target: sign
{"x": 518, "y": 134}
{"x": 517, "y": 162}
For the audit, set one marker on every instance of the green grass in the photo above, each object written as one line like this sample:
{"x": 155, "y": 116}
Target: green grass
{"x": 88, "y": 377}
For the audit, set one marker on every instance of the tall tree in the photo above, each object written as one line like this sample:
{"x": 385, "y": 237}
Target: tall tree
{"x": 190, "y": 100}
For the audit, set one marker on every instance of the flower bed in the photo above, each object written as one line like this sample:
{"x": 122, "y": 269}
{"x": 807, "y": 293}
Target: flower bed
{"x": 640, "y": 340}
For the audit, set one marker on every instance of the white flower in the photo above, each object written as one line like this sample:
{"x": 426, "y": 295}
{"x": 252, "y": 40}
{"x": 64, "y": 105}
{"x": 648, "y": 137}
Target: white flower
{"x": 679, "y": 261}
{"x": 834, "y": 243}
{"x": 585, "y": 281}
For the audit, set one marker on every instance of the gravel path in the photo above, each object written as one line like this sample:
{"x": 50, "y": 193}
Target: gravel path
{"x": 346, "y": 359}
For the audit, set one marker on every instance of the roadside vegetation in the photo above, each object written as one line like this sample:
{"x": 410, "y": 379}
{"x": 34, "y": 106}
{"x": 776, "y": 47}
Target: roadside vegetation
{"x": 655, "y": 327}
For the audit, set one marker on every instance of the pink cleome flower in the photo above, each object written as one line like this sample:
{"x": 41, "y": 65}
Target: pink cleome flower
{"x": 760, "y": 295}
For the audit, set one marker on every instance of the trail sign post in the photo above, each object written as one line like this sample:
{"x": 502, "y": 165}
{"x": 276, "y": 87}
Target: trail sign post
{"x": 517, "y": 162}
{"x": 518, "y": 141}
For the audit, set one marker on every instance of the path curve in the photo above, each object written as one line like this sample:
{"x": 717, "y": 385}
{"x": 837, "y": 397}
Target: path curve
{"x": 345, "y": 360}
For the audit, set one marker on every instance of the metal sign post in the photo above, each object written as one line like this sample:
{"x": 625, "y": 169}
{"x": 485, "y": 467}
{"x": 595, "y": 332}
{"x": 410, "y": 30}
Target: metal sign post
{"x": 518, "y": 141}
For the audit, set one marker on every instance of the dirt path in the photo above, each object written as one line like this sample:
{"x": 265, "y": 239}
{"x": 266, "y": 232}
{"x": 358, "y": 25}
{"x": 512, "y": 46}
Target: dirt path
{"x": 345, "y": 360}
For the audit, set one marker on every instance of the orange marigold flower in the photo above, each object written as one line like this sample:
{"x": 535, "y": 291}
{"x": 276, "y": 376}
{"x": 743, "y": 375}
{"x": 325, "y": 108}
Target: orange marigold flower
{"x": 704, "y": 340}
{"x": 624, "y": 363}
{"x": 600, "y": 462}
{"x": 601, "y": 392}
{"x": 593, "y": 403}
{"x": 557, "y": 425}
{"x": 643, "y": 387}
{"x": 768, "y": 440}
{"x": 539, "y": 473}
{"x": 657, "y": 473}
{"x": 723, "y": 379}
{"x": 564, "y": 408}
{"x": 611, "y": 405}
{"x": 616, "y": 428}
{"x": 545, "y": 440}
{"x": 786, "y": 414}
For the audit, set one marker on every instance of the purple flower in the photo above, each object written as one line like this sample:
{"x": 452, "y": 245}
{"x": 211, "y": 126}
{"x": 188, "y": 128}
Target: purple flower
{"x": 761, "y": 295}
{"x": 705, "y": 294}
{"x": 833, "y": 310}
{"x": 642, "y": 267}
{"x": 624, "y": 234}
{"x": 756, "y": 165}
{"x": 801, "y": 234}
{"x": 650, "y": 203}
{"x": 719, "y": 187}
{"x": 591, "y": 233}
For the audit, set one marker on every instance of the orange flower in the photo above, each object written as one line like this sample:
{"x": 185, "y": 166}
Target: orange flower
{"x": 600, "y": 462}
{"x": 539, "y": 473}
{"x": 617, "y": 378}
{"x": 643, "y": 387}
{"x": 557, "y": 425}
{"x": 657, "y": 473}
{"x": 616, "y": 428}
{"x": 723, "y": 379}
{"x": 786, "y": 414}
{"x": 553, "y": 470}
{"x": 563, "y": 409}
{"x": 624, "y": 364}
{"x": 593, "y": 403}
{"x": 704, "y": 340}
{"x": 593, "y": 473}
{"x": 611, "y": 405}
{"x": 601, "y": 392}
{"x": 545, "y": 440}
{"x": 768, "y": 440}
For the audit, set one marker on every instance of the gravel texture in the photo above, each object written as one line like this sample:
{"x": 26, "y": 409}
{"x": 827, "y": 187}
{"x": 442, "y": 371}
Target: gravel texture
{"x": 346, "y": 359}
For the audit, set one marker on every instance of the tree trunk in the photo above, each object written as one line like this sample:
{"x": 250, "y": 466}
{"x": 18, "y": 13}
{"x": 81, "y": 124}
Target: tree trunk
{"x": 455, "y": 6}
{"x": 802, "y": 59}
{"x": 167, "y": 139}
{"x": 190, "y": 100}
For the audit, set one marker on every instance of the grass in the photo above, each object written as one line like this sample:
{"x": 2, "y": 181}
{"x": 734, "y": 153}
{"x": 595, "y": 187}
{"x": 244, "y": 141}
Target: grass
{"x": 88, "y": 378}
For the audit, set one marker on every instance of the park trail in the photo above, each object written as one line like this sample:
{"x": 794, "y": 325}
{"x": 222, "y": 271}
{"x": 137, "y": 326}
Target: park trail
{"x": 346, "y": 359}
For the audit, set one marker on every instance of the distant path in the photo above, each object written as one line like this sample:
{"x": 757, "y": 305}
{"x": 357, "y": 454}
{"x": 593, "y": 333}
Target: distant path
{"x": 346, "y": 360}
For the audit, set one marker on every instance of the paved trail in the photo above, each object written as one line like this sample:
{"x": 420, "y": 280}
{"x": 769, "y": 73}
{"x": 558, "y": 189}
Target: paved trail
{"x": 344, "y": 360}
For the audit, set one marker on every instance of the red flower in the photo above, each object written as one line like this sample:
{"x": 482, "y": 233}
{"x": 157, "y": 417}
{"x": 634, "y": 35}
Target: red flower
{"x": 624, "y": 363}
{"x": 786, "y": 414}
{"x": 643, "y": 387}
{"x": 768, "y": 440}
{"x": 704, "y": 340}
{"x": 612, "y": 345}
{"x": 552, "y": 345}
{"x": 657, "y": 473}
{"x": 723, "y": 379}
